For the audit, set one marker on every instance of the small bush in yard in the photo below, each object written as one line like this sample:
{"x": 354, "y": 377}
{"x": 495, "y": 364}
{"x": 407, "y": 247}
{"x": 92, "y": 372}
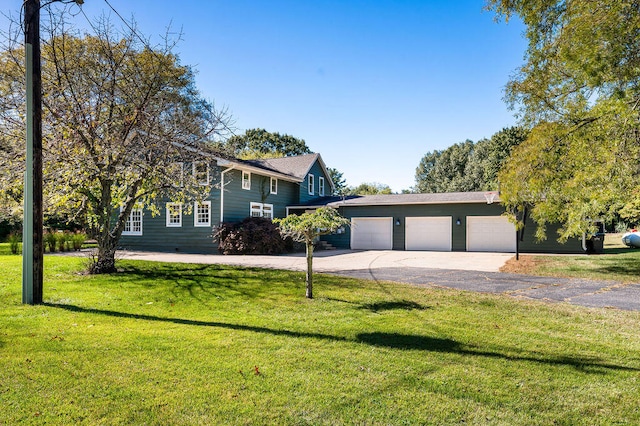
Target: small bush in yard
{"x": 62, "y": 240}
{"x": 254, "y": 235}
{"x": 77, "y": 239}
{"x": 14, "y": 242}
{"x": 50, "y": 240}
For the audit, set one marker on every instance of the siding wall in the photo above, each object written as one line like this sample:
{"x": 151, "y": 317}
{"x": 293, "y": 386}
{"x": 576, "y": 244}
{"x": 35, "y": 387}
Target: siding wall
{"x": 316, "y": 171}
{"x": 188, "y": 238}
{"x": 157, "y": 236}
{"x": 237, "y": 200}
{"x": 551, "y": 244}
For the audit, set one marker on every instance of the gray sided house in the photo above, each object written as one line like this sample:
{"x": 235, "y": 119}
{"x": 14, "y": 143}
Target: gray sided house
{"x": 461, "y": 221}
{"x": 240, "y": 188}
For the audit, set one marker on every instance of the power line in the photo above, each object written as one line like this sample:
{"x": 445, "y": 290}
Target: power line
{"x": 146, "y": 44}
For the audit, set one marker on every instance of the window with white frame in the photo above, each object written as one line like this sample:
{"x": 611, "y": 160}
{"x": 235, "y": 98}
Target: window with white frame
{"x": 133, "y": 225}
{"x": 246, "y": 180}
{"x": 177, "y": 171}
{"x": 261, "y": 210}
{"x": 267, "y": 211}
{"x": 274, "y": 185}
{"x": 321, "y": 186}
{"x": 202, "y": 214}
{"x": 174, "y": 215}
{"x": 201, "y": 172}
{"x": 311, "y": 184}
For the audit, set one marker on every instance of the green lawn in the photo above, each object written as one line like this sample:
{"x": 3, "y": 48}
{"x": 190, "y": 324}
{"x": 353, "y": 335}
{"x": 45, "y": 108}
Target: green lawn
{"x": 201, "y": 344}
{"x": 618, "y": 263}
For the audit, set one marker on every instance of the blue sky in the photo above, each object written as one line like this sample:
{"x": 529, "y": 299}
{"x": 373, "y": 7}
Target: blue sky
{"x": 371, "y": 85}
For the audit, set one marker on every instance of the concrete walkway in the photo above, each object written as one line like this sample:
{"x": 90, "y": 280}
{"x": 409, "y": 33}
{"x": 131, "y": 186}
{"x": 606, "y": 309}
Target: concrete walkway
{"x": 459, "y": 270}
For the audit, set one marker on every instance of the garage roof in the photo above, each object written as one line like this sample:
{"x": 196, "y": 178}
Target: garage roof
{"x": 400, "y": 199}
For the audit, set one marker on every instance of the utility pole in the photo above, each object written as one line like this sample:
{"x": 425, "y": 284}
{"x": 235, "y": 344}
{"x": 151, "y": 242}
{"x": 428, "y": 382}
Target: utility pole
{"x": 32, "y": 248}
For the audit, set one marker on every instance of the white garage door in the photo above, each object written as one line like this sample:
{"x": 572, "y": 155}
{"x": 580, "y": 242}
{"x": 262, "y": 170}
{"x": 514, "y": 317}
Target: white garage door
{"x": 372, "y": 233}
{"x": 490, "y": 233}
{"x": 428, "y": 233}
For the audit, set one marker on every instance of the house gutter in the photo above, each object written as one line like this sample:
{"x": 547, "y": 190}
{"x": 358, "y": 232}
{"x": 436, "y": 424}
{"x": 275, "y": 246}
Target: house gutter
{"x": 222, "y": 191}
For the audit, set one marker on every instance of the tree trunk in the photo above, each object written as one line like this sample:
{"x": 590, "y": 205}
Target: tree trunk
{"x": 309, "y": 269}
{"x": 104, "y": 261}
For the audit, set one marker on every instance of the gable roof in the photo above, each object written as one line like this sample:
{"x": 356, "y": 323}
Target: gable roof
{"x": 295, "y": 168}
{"x": 401, "y": 199}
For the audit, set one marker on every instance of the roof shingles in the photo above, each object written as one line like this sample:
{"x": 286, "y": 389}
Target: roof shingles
{"x": 296, "y": 166}
{"x": 397, "y": 199}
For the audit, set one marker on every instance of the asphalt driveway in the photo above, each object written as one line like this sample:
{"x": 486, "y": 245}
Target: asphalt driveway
{"x": 458, "y": 270}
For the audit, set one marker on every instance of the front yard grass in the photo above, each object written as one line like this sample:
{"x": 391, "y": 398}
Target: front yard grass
{"x": 618, "y": 263}
{"x": 161, "y": 343}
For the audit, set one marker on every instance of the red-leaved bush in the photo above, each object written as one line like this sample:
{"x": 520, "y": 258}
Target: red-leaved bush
{"x": 254, "y": 235}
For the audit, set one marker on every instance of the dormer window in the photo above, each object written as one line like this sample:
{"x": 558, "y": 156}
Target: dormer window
{"x": 321, "y": 186}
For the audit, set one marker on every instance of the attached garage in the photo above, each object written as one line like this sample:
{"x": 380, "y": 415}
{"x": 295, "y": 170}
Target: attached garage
{"x": 490, "y": 233}
{"x": 428, "y": 233}
{"x": 372, "y": 233}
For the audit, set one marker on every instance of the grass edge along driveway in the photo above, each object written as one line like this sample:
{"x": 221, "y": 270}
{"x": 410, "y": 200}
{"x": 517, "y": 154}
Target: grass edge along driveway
{"x": 163, "y": 343}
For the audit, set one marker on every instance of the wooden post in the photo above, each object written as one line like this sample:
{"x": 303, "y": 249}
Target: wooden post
{"x": 32, "y": 249}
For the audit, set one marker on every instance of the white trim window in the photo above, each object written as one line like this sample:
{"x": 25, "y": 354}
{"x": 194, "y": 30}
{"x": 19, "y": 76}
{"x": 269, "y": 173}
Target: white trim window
{"x": 133, "y": 225}
{"x": 246, "y": 180}
{"x": 201, "y": 172}
{"x": 311, "y": 184}
{"x": 177, "y": 170}
{"x": 202, "y": 214}
{"x": 261, "y": 210}
{"x": 174, "y": 215}
{"x": 274, "y": 185}
{"x": 321, "y": 186}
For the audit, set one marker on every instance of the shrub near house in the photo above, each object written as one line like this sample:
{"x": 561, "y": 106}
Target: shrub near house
{"x": 254, "y": 235}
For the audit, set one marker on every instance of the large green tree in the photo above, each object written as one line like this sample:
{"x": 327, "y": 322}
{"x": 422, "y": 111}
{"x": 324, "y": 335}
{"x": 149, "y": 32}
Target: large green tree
{"x": 259, "y": 143}
{"x": 339, "y": 182}
{"x": 579, "y": 89}
{"x": 369, "y": 188}
{"x": 444, "y": 171}
{"x": 468, "y": 166}
{"x": 119, "y": 117}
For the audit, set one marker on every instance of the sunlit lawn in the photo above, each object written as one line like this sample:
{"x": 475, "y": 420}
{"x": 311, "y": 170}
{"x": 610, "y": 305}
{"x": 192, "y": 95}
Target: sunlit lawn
{"x": 618, "y": 263}
{"x": 162, "y": 343}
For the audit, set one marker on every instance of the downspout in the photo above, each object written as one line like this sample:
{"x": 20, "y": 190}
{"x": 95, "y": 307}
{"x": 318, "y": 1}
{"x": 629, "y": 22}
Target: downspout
{"x": 222, "y": 192}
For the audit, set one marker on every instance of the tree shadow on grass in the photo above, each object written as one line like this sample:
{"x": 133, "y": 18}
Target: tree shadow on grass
{"x": 212, "y": 280}
{"x": 386, "y": 340}
{"x": 628, "y": 268}
{"x": 405, "y": 305}
{"x": 620, "y": 250}
{"x": 434, "y": 344}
